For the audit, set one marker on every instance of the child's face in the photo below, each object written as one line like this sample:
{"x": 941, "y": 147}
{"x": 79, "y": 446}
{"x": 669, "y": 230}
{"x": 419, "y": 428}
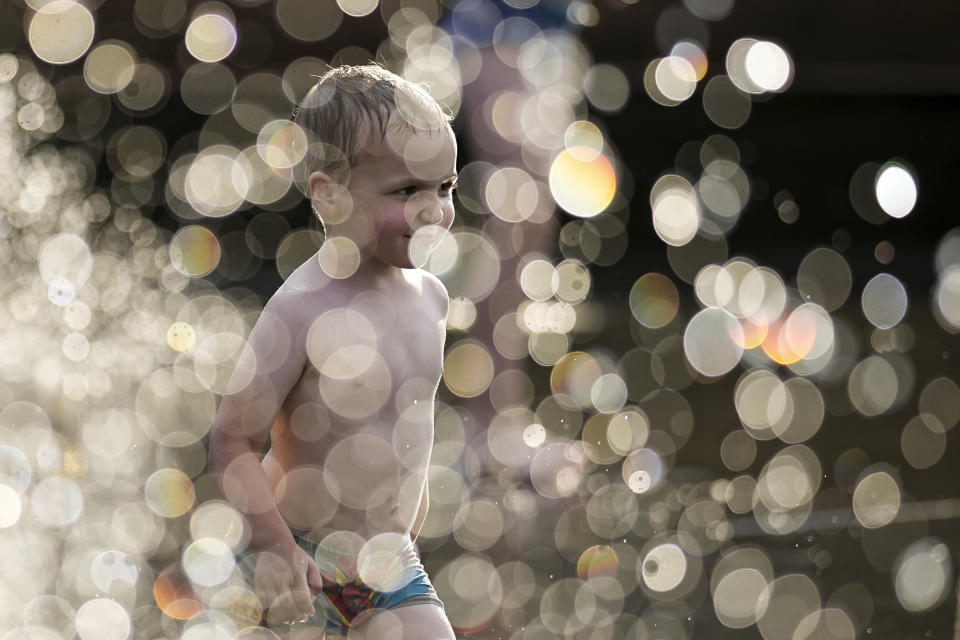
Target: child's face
{"x": 403, "y": 185}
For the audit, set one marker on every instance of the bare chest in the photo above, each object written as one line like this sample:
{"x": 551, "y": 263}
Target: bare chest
{"x": 414, "y": 350}
{"x": 373, "y": 373}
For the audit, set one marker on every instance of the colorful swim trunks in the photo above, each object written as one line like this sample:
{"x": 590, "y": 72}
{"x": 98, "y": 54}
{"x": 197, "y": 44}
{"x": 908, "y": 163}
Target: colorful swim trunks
{"x": 346, "y": 600}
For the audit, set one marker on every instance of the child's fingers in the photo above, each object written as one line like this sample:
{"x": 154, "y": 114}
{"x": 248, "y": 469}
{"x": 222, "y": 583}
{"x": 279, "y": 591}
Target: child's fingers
{"x": 291, "y": 607}
{"x": 314, "y": 578}
{"x": 274, "y": 594}
{"x": 284, "y": 591}
{"x": 266, "y": 595}
{"x": 282, "y": 611}
{"x": 302, "y": 601}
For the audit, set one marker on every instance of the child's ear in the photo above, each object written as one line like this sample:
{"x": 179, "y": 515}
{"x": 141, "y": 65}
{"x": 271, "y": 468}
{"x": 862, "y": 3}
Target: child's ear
{"x": 330, "y": 199}
{"x": 323, "y": 191}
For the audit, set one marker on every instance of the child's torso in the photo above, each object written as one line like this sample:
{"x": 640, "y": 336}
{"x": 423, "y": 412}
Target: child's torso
{"x": 351, "y": 446}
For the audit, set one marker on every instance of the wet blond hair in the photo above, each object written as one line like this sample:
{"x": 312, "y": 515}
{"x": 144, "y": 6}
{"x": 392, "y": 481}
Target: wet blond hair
{"x": 350, "y": 103}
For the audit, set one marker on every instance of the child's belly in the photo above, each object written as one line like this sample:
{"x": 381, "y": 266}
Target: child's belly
{"x": 366, "y": 479}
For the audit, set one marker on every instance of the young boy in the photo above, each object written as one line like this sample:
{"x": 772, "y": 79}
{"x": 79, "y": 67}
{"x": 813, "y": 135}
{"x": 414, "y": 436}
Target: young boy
{"x": 341, "y": 373}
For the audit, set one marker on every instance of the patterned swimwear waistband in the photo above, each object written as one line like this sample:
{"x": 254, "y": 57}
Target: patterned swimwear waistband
{"x": 389, "y": 548}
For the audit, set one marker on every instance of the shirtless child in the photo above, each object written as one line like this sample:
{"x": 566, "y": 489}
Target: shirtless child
{"x": 341, "y": 373}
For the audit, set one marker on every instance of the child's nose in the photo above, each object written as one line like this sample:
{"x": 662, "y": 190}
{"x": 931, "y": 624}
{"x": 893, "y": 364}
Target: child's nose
{"x": 430, "y": 211}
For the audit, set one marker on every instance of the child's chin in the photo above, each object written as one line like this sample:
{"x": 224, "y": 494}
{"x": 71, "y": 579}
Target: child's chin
{"x": 402, "y": 263}
{"x": 419, "y": 255}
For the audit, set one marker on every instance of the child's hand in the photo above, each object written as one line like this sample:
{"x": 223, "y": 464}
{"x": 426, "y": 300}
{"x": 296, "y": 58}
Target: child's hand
{"x": 284, "y": 585}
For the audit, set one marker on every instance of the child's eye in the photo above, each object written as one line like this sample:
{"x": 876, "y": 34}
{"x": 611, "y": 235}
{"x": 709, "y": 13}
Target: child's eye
{"x": 406, "y": 192}
{"x": 448, "y": 187}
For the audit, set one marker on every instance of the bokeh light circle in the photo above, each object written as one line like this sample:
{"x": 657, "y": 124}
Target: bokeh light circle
{"x": 219, "y": 520}
{"x": 110, "y": 569}
{"x": 357, "y": 8}
{"x": 339, "y": 257}
{"x": 664, "y": 567}
{"x": 61, "y": 31}
{"x": 768, "y": 66}
{"x": 726, "y": 104}
{"x": 692, "y": 53}
{"x": 308, "y": 21}
{"x": 194, "y": 251}
{"x": 923, "y": 441}
{"x": 642, "y": 470}
{"x": 468, "y": 369}
{"x": 940, "y": 399}
{"x": 713, "y": 342}
{"x": 210, "y": 37}
{"x": 11, "y": 506}
{"x": 825, "y": 277}
{"x": 947, "y": 298}
{"x": 737, "y": 597}
{"x": 110, "y": 66}
{"x": 598, "y": 560}
{"x": 573, "y": 377}
{"x": 876, "y": 499}
{"x": 103, "y": 619}
{"x": 896, "y": 190}
{"x": 282, "y": 144}
{"x": 675, "y": 210}
{"x": 873, "y": 385}
{"x": 471, "y": 590}
{"x": 169, "y": 492}
{"x": 67, "y": 257}
{"x": 181, "y": 336}
{"x": 675, "y": 78}
{"x": 654, "y": 300}
{"x": 784, "y": 604}
{"x": 173, "y": 595}
{"x": 57, "y": 501}
{"x": 884, "y": 301}
{"x": 581, "y": 187}
{"x": 923, "y": 575}
{"x": 585, "y": 137}
{"x": 606, "y": 87}
{"x": 208, "y": 561}
{"x": 825, "y": 624}
{"x": 15, "y": 469}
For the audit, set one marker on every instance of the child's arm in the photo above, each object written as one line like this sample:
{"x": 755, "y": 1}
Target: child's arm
{"x": 439, "y": 293}
{"x": 267, "y": 371}
{"x": 421, "y": 511}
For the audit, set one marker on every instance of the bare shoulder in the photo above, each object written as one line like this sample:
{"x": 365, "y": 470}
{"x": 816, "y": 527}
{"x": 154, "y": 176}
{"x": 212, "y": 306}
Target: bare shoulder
{"x": 288, "y": 305}
{"x": 434, "y": 289}
{"x": 306, "y": 294}
{"x": 292, "y": 309}
{"x": 433, "y": 286}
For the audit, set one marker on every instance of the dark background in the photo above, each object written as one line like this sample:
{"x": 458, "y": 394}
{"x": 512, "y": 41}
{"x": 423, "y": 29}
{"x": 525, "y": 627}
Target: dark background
{"x": 874, "y": 81}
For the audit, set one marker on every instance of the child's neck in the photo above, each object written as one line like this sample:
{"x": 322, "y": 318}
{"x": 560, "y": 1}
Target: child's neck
{"x": 373, "y": 271}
